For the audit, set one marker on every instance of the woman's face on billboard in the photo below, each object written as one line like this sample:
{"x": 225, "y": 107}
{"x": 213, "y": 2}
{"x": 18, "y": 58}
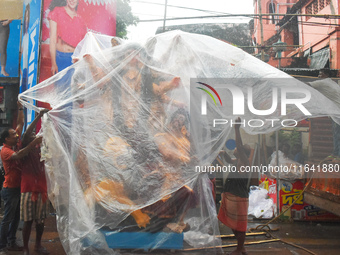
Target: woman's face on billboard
{"x": 72, "y": 3}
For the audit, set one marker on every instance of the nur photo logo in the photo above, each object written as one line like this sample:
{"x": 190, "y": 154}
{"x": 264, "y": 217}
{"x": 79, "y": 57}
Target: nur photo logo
{"x": 204, "y": 97}
{"x": 266, "y": 99}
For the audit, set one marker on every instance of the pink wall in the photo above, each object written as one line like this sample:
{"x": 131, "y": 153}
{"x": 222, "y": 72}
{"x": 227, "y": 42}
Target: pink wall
{"x": 312, "y": 34}
{"x": 319, "y": 36}
{"x": 269, "y": 28}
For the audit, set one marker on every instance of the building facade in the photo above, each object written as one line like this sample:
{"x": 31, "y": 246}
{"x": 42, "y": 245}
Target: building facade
{"x": 310, "y": 28}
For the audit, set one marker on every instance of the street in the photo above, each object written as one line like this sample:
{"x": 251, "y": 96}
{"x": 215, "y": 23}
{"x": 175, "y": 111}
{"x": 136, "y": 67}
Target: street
{"x": 318, "y": 237}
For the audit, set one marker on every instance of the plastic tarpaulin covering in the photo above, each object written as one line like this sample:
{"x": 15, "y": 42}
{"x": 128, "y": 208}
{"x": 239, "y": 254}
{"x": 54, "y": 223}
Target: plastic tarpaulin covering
{"x": 319, "y": 59}
{"x": 122, "y": 139}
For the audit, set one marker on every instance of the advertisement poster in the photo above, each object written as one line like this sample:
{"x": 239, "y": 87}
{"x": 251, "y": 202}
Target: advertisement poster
{"x": 30, "y": 48}
{"x": 289, "y": 192}
{"x": 12, "y": 11}
{"x": 66, "y": 31}
{"x": 9, "y": 47}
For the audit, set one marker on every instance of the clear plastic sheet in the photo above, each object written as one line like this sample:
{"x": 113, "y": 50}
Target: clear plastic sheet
{"x": 329, "y": 89}
{"x": 121, "y": 142}
{"x": 287, "y": 169}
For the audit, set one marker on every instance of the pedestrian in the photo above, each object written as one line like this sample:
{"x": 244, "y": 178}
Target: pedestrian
{"x": 234, "y": 207}
{"x": 10, "y": 156}
{"x": 34, "y": 202}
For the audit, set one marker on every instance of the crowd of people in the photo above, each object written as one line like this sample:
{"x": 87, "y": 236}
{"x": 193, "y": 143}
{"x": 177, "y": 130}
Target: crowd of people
{"x": 24, "y": 189}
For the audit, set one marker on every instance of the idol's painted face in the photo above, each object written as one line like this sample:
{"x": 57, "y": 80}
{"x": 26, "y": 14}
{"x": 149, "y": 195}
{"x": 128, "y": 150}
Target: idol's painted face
{"x": 178, "y": 122}
{"x": 72, "y": 4}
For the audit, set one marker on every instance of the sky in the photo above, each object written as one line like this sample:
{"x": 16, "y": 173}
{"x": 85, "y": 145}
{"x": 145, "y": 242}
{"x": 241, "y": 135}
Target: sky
{"x": 154, "y": 9}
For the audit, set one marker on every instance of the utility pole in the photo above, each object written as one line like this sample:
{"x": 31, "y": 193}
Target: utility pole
{"x": 166, "y": 5}
{"x": 261, "y": 28}
{"x": 262, "y": 138}
{"x": 276, "y": 132}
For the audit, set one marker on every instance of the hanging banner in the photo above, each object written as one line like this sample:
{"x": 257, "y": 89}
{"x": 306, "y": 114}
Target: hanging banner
{"x": 65, "y": 24}
{"x": 30, "y": 48}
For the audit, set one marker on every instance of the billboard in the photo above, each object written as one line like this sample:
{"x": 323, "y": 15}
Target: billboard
{"x": 9, "y": 47}
{"x": 65, "y": 24}
{"x": 11, "y": 9}
{"x": 30, "y": 48}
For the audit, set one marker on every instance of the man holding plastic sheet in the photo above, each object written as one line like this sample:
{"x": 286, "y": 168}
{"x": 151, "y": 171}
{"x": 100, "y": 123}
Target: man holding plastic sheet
{"x": 34, "y": 202}
{"x": 234, "y": 207}
{"x": 10, "y": 156}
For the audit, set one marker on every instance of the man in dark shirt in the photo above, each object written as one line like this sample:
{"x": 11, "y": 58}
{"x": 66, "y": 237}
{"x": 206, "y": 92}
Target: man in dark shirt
{"x": 234, "y": 208}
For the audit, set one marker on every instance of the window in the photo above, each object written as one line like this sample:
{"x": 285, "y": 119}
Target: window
{"x": 321, "y": 4}
{"x": 309, "y": 10}
{"x": 315, "y": 7}
{"x": 271, "y": 9}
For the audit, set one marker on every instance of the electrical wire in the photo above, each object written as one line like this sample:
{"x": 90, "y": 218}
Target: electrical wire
{"x": 181, "y": 7}
{"x": 146, "y": 14}
{"x": 224, "y": 13}
{"x": 303, "y": 22}
{"x": 326, "y": 16}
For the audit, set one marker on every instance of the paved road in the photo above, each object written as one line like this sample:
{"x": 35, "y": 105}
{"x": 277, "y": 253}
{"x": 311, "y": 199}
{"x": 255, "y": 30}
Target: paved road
{"x": 320, "y": 238}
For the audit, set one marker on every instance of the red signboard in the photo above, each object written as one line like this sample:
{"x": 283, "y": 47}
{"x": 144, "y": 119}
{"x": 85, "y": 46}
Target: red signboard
{"x": 289, "y": 192}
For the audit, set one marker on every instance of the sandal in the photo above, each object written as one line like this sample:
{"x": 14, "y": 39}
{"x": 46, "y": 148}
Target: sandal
{"x": 41, "y": 250}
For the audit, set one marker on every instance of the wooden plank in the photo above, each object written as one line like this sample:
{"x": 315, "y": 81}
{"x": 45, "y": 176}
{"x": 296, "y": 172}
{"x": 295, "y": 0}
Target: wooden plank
{"x": 247, "y": 234}
{"x": 233, "y": 245}
{"x": 322, "y": 203}
{"x": 317, "y": 192}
